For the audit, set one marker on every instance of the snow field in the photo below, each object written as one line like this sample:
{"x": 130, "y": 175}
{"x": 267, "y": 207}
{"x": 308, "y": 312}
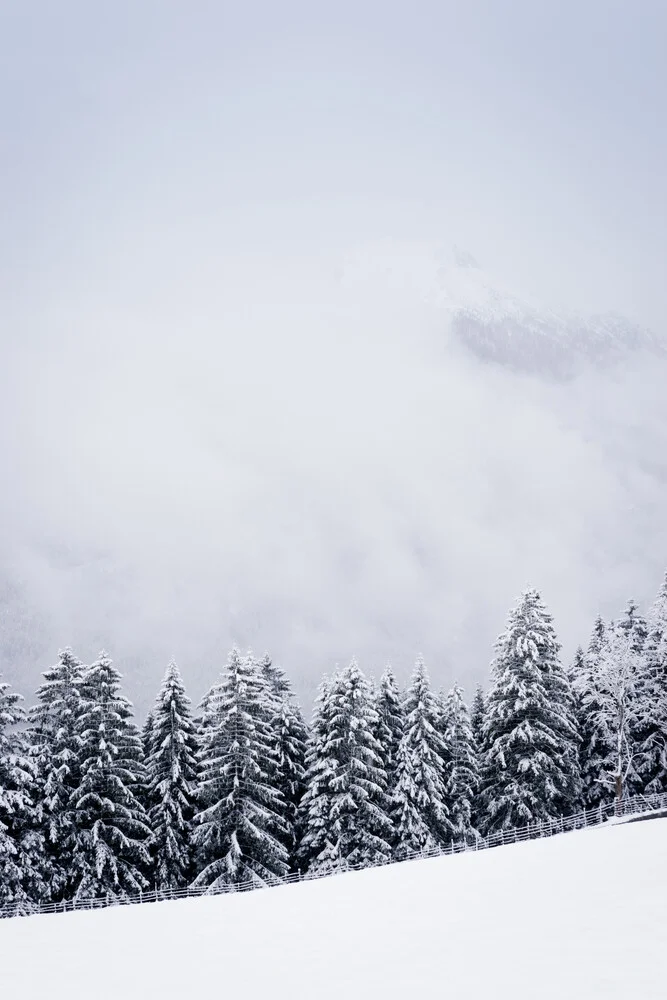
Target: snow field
{"x": 583, "y": 915}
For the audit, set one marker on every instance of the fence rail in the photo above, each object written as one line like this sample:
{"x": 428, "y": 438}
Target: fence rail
{"x": 636, "y": 806}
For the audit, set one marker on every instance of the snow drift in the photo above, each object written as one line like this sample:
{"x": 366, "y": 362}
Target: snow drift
{"x": 578, "y": 916}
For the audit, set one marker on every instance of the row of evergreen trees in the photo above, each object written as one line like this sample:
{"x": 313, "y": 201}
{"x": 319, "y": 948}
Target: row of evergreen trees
{"x": 246, "y": 792}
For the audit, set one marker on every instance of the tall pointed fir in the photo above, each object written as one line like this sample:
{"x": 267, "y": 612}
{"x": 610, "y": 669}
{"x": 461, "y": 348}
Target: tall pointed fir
{"x": 592, "y": 750}
{"x": 389, "y": 732}
{"x": 22, "y": 862}
{"x": 530, "y": 741}
{"x": 315, "y": 805}
{"x": 55, "y": 736}
{"x": 633, "y": 623}
{"x": 142, "y": 790}
{"x": 576, "y": 672}
{"x": 288, "y": 750}
{"x": 356, "y": 829}
{"x": 240, "y": 831}
{"x": 172, "y": 783}
{"x": 423, "y": 821}
{"x": 206, "y": 714}
{"x": 461, "y": 766}
{"x": 477, "y": 715}
{"x": 652, "y": 734}
{"x": 274, "y": 678}
{"x": 112, "y": 827}
{"x": 147, "y": 734}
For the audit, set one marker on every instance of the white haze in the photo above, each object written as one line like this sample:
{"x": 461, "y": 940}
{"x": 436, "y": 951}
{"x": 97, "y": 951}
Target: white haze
{"x": 320, "y": 479}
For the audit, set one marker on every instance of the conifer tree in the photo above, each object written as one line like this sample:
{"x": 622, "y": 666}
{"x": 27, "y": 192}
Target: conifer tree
{"x": 275, "y": 679}
{"x": 147, "y": 734}
{"x": 288, "y": 750}
{"x": 592, "y": 750}
{"x": 597, "y": 638}
{"x": 634, "y": 624}
{"x": 112, "y": 826}
{"x": 576, "y": 674}
{"x": 357, "y": 829}
{"x": 206, "y": 714}
{"x": 422, "y": 817}
{"x": 461, "y": 766}
{"x": 642, "y": 726}
{"x": 390, "y": 726}
{"x": 55, "y": 735}
{"x": 652, "y": 734}
{"x": 290, "y": 737}
{"x": 575, "y": 671}
{"x": 22, "y": 865}
{"x": 477, "y": 716}
{"x": 142, "y": 790}
{"x": 240, "y": 830}
{"x": 529, "y": 764}
{"x": 172, "y": 782}
{"x": 315, "y": 805}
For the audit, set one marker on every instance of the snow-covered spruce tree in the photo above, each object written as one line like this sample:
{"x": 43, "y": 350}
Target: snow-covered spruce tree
{"x": 142, "y": 789}
{"x": 292, "y": 735}
{"x": 112, "y": 827}
{"x": 275, "y": 679}
{"x": 286, "y": 759}
{"x": 421, "y": 814}
{"x": 652, "y": 732}
{"x": 356, "y": 829}
{"x": 55, "y": 737}
{"x": 390, "y": 725}
{"x": 288, "y": 750}
{"x": 389, "y": 733}
{"x": 634, "y": 624}
{"x": 611, "y": 705}
{"x": 576, "y": 674}
{"x": 592, "y": 749}
{"x": 206, "y": 714}
{"x": 172, "y": 783}
{"x": 240, "y": 831}
{"x": 477, "y": 715}
{"x": 461, "y": 766}
{"x": 315, "y": 805}
{"x": 147, "y": 734}
{"x": 529, "y": 761}
{"x": 22, "y": 861}
{"x": 575, "y": 671}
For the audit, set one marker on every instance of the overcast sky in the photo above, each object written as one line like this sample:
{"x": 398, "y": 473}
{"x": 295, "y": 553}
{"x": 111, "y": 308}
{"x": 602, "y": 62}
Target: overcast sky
{"x": 172, "y": 134}
{"x": 184, "y": 396}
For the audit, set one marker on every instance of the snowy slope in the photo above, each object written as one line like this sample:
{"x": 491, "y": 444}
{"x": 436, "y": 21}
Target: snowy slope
{"x": 582, "y": 915}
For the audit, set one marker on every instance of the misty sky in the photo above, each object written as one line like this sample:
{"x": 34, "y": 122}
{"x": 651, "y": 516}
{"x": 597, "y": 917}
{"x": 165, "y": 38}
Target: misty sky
{"x": 206, "y": 436}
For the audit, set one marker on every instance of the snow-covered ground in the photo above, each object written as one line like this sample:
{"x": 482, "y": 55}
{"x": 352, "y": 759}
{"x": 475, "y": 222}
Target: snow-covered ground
{"x": 583, "y": 915}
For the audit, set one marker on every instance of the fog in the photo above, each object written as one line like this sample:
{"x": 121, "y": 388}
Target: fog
{"x": 216, "y": 430}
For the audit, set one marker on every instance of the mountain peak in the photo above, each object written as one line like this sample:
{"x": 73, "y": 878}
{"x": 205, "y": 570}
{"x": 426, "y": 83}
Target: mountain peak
{"x": 489, "y": 321}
